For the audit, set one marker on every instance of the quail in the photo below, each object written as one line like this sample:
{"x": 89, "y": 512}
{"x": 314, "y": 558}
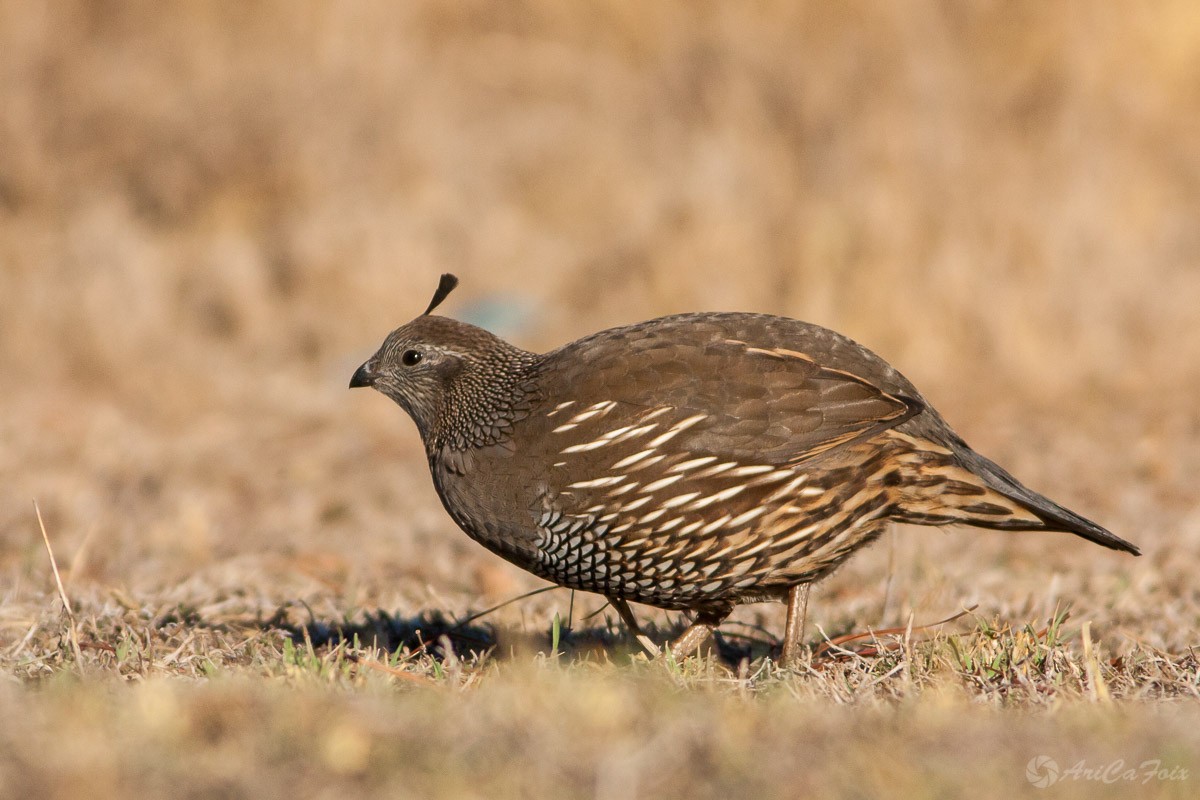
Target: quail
{"x": 692, "y": 462}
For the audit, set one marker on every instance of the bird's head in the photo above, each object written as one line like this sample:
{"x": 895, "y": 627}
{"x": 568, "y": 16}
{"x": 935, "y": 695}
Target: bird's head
{"x": 441, "y": 371}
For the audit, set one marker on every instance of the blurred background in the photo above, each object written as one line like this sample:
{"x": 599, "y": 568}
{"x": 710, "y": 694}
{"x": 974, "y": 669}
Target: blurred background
{"x": 210, "y": 213}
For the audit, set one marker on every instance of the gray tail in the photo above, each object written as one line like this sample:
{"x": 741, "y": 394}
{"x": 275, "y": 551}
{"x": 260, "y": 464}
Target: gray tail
{"x": 1050, "y": 514}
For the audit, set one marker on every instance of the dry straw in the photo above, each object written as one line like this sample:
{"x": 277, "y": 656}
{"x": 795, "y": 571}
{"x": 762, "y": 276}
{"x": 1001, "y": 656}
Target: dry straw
{"x": 62, "y": 592}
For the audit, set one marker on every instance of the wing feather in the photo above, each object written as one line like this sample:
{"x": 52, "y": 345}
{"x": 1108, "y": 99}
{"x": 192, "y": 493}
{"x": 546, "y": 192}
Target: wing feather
{"x": 762, "y": 396}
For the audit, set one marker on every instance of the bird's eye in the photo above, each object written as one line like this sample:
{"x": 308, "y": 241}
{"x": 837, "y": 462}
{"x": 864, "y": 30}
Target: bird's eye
{"x": 410, "y": 357}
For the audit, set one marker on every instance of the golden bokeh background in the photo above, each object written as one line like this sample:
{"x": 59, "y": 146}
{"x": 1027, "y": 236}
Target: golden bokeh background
{"x": 210, "y": 213}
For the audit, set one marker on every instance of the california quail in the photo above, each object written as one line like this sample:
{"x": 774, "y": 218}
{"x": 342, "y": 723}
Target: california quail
{"x": 692, "y": 462}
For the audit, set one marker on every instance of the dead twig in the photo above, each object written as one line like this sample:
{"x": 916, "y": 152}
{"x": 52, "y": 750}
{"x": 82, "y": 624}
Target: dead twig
{"x": 62, "y": 593}
{"x": 907, "y": 630}
{"x": 465, "y": 622}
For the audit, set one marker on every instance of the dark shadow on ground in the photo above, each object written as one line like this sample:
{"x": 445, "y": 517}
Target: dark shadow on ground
{"x": 432, "y": 631}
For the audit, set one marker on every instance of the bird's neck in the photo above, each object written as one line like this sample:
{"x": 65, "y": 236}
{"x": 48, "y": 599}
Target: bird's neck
{"x": 482, "y": 404}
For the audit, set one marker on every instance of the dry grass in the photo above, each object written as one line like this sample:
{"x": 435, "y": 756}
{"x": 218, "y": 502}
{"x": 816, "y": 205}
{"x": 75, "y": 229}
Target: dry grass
{"x": 209, "y": 215}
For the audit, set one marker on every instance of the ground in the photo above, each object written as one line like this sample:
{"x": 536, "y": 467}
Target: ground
{"x": 210, "y": 216}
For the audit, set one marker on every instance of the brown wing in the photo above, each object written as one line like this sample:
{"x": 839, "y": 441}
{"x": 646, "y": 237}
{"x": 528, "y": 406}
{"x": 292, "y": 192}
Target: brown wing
{"x": 747, "y": 388}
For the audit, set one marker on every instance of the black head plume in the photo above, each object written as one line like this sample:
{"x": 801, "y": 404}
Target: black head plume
{"x": 445, "y": 286}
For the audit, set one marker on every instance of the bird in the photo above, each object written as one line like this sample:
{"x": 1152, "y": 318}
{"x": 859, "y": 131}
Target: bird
{"x": 693, "y": 462}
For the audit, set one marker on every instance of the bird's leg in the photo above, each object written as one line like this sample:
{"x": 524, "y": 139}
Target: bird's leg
{"x": 797, "y": 615}
{"x": 706, "y": 622}
{"x": 626, "y": 615}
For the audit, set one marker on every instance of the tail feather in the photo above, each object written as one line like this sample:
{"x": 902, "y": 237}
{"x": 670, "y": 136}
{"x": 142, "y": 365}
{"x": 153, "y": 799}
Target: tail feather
{"x": 1052, "y": 515}
{"x": 960, "y": 485}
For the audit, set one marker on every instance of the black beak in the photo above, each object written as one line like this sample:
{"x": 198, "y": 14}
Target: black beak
{"x": 362, "y": 377}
